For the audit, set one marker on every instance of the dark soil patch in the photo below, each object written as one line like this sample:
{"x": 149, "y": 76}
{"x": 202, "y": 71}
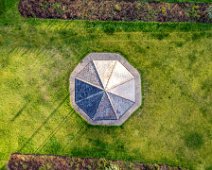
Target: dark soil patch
{"x": 117, "y": 10}
{"x": 35, "y": 162}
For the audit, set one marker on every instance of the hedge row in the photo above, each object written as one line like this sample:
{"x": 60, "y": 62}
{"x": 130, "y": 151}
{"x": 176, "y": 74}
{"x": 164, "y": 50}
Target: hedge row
{"x": 36, "y": 162}
{"x": 117, "y": 10}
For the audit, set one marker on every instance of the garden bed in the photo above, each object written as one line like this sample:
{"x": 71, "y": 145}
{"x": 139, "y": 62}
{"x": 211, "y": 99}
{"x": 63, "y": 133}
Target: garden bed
{"x": 35, "y": 162}
{"x": 117, "y": 10}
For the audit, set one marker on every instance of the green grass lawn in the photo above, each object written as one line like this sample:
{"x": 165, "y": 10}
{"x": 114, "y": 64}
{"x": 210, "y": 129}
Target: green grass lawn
{"x": 174, "y": 124}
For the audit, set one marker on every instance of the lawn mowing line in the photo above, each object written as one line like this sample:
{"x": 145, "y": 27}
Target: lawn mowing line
{"x": 81, "y": 130}
{"x": 126, "y": 33}
{"x": 24, "y": 51}
{"x": 47, "y": 119}
{"x": 189, "y": 96}
{"x": 54, "y": 131}
{"x": 178, "y": 28}
{"x": 186, "y": 94}
{"x": 19, "y": 112}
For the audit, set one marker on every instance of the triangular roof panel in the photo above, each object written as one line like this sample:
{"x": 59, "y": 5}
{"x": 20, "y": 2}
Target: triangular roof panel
{"x": 84, "y": 90}
{"x": 119, "y": 75}
{"x": 125, "y": 90}
{"x": 104, "y": 69}
{"x": 120, "y": 104}
{"x": 90, "y": 105}
{"x": 89, "y": 74}
{"x": 105, "y": 110}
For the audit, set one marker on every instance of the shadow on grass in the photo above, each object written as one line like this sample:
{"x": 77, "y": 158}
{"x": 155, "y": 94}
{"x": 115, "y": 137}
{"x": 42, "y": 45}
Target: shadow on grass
{"x": 40, "y": 127}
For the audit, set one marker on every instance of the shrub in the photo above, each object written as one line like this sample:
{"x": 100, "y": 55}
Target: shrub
{"x": 102, "y": 163}
{"x": 163, "y": 10}
{"x": 57, "y": 7}
{"x": 194, "y": 12}
{"x": 209, "y": 11}
{"x": 111, "y": 166}
{"x": 44, "y": 5}
{"x": 117, "y": 7}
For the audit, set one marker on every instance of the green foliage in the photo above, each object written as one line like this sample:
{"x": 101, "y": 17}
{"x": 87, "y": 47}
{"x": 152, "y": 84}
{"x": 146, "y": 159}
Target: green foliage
{"x": 209, "y": 11}
{"x": 112, "y": 166}
{"x": 117, "y": 8}
{"x": 194, "y": 12}
{"x": 45, "y": 5}
{"x": 57, "y": 7}
{"x": 46, "y": 166}
{"x": 164, "y": 10}
{"x": 104, "y": 164}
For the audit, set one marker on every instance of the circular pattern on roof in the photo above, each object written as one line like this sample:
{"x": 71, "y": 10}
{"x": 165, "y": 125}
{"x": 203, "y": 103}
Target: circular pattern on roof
{"x": 105, "y": 89}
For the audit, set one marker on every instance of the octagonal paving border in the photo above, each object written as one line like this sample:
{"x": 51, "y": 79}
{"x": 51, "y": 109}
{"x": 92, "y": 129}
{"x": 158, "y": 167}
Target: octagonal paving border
{"x": 131, "y": 69}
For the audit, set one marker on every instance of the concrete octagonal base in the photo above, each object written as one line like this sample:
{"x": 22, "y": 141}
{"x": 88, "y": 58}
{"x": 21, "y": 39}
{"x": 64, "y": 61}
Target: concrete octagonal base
{"x": 105, "y": 89}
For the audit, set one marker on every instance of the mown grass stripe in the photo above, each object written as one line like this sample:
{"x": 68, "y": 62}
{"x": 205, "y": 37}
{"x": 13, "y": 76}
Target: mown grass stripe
{"x": 46, "y": 120}
{"x": 54, "y": 131}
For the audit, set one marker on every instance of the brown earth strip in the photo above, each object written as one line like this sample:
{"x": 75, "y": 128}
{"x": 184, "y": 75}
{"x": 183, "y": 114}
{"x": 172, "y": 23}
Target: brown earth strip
{"x": 117, "y": 10}
{"x": 49, "y": 162}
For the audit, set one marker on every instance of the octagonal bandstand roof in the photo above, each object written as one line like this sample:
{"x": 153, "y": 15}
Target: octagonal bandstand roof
{"x": 105, "y": 89}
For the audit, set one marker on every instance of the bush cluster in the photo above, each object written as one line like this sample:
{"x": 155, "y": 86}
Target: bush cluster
{"x": 117, "y": 10}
